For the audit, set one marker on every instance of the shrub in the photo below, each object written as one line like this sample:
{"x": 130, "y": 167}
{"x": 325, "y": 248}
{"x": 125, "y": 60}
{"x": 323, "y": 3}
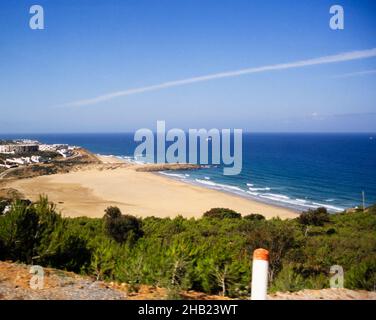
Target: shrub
{"x": 48, "y": 220}
{"x": 278, "y": 237}
{"x": 362, "y": 275}
{"x": 317, "y": 217}
{"x": 67, "y": 250}
{"x": 288, "y": 280}
{"x": 254, "y": 217}
{"x": 36, "y": 231}
{"x": 103, "y": 259}
{"x": 112, "y": 213}
{"x": 18, "y": 231}
{"x": 121, "y": 227}
{"x": 222, "y": 213}
{"x": 330, "y": 231}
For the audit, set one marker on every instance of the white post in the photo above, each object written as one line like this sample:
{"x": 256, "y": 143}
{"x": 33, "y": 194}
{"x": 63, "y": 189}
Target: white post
{"x": 260, "y": 274}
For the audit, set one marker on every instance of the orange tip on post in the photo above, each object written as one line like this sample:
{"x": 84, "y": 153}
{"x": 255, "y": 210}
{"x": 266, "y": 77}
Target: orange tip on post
{"x": 260, "y": 267}
{"x": 261, "y": 254}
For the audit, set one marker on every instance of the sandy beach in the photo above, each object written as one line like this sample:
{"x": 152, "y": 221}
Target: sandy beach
{"x": 89, "y": 192}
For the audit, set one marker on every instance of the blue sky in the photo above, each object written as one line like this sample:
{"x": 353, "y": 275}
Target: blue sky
{"x": 94, "y": 48}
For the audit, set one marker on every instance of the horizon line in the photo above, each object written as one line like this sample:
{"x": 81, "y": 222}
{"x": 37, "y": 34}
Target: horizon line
{"x": 244, "y": 131}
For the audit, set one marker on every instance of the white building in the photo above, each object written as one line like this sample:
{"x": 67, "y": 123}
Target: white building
{"x": 52, "y": 147}
{"x": 15, "y": 161}
{"x": 35, "y": 159}
{"x": 65, "y": 152}
{"x": 18, "y": 148}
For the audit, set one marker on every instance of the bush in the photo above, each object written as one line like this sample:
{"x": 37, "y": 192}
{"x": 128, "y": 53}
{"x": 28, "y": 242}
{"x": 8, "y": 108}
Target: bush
{"x": 330, "y": 231}
{"x": 67, "y": 250}
{"x": 362, "y": 275}
{"x": 112, "y": 213}
{"x": 121, "y": 227}
{"x": 278, "y": 237}
{"x": 288, "y": 280}
{"x": 48, "y": 220}
{"x": 222, "y": 213}
{"x": 103, "y": 259}
{"x": 18, "y": 232}
{"x": 317, "y": 217}
{"x": 254, "y": 217}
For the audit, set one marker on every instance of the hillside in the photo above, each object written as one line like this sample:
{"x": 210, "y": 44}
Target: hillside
{"x": 63, "y": 285}
{"x": 212, "y": 254}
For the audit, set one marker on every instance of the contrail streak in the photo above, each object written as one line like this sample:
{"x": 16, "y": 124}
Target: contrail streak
{"x": 346, "y": 56}
{"x": 355, "y": 74}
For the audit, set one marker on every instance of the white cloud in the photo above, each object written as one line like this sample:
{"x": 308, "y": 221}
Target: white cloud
{"x": 346, "y": 56}
{"x": 355, "y": 74}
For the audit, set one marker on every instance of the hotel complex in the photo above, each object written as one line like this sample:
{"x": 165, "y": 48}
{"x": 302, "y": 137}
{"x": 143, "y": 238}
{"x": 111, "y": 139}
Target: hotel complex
{"x": 19, "y": 148}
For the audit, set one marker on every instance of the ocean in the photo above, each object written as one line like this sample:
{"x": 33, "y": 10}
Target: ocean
{"x": 298, "y": 171}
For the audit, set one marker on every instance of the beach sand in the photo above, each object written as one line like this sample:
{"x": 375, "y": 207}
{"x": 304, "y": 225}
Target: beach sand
{"x": 89, "y": 192}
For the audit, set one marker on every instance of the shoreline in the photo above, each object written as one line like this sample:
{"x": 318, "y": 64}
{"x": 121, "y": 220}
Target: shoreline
{"x": 90, "y": 191}
{"x": 192, "y": 183}
{"x": 112, "y": 159}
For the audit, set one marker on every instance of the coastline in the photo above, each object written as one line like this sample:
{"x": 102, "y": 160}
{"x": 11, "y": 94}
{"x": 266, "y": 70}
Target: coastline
{"x": 138, "y": 192}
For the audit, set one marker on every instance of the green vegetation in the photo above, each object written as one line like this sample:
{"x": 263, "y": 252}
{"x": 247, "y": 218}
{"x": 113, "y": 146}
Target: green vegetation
{"x": 212, "y": 254}
{"x": 120, "y": 227}
{"x": 317, "y": 217}
{"x": 222, "y": 213}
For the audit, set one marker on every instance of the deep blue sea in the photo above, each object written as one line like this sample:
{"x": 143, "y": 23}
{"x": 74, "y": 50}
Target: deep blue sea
{"x": 298, "y": 171}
